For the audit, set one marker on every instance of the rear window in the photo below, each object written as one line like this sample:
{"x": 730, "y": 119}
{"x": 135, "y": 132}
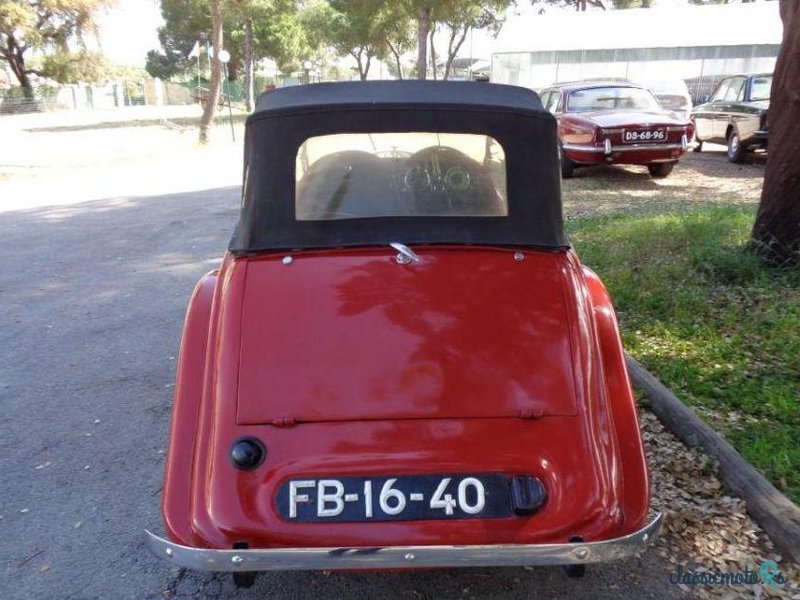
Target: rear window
{"x": 611, "y": 98}
{"x": 760, "y": 88}
{"x": 423, "y": 174}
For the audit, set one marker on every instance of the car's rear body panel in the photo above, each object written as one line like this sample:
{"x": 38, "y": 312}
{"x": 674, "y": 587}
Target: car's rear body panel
{"x": 584, "y": 136}
{"x": 544, "y": 406}
{"x": 353, "y": 336}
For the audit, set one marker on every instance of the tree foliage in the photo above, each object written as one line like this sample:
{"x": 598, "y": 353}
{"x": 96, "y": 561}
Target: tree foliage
{"x": 56, "y": 31}
{"x": 185, "y": 21}
{"x": 397, "y": 24}
{"x": 277, "y": 34}
{"x": 459, "y": 17}
{"x": 356, "y": 28}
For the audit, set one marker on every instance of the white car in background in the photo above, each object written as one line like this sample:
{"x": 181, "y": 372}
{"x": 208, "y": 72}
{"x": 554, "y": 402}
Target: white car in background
{"x": 672, "y": 95}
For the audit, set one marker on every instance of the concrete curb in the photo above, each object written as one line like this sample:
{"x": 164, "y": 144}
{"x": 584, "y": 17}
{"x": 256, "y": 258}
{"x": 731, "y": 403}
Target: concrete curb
{"x": 777, "y": 515}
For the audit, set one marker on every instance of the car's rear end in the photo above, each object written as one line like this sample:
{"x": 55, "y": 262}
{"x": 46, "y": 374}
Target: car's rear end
{"x": 622, "y": 124}
{"x": 403, "y": 364}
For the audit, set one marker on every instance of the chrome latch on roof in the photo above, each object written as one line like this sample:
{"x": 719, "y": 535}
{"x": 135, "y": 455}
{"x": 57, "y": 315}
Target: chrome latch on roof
{"x": 405, "y": 255}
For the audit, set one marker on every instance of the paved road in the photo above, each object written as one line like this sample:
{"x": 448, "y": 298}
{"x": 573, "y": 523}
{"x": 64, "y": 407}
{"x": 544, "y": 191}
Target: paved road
{"x": 91, "y": 301}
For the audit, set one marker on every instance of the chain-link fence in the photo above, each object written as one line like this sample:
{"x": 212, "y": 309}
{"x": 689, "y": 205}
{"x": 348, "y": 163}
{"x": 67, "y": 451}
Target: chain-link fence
{"x": 145, "y": 92}
{"x": 150, "y": 92}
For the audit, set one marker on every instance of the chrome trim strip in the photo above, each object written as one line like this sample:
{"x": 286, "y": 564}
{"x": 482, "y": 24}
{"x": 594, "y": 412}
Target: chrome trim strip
{"x": 629, "y": 148}
{"x": 392, "y": 557}
{"x": 670, "y": 128}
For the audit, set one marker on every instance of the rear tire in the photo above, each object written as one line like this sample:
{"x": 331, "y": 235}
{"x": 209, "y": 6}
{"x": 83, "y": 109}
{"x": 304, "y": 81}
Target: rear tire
{"x": 575, "y": 571}
{"x": 736, "y": 152}
{"x": 244, "y": 579}
{"x": 567, "y": 166}
{"x": 660, "y": 169}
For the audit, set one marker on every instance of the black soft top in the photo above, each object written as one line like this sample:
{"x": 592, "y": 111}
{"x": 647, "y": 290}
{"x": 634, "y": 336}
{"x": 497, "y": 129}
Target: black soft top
{"x": 398, "y": 93}
{"x": 287, "y": 117}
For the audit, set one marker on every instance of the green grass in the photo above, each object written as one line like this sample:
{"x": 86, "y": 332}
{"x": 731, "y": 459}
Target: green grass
{"x": 716, "y": 325}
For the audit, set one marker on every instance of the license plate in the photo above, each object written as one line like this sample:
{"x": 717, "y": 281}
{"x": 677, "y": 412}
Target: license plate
{"x": 395, "y": 498}
{"x": 649, "y": 135}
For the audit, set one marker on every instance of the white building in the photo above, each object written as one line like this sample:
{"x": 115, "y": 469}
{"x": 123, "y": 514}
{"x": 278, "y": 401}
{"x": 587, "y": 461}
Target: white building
{"x": 698, "y": 44}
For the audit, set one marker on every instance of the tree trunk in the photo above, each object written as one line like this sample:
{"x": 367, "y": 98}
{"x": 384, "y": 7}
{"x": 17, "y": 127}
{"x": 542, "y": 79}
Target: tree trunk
{"x": 366, "y": 67}
{"x": 397, "y": 62}
{"x": 776, "y": 233}
{"x": 13, "y": 54}
{"x": 362, "y": 72}
{"x": 216, "y": 71}
{"x": 452, "y": 49}
{"x": 248, "y": 64}
{"x": 423, "y": 27}
{"x": 433, "y": 52}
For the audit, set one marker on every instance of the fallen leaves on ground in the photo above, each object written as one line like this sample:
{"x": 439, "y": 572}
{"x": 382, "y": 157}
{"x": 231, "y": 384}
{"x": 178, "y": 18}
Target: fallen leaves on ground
{"x": 705, "y": 528}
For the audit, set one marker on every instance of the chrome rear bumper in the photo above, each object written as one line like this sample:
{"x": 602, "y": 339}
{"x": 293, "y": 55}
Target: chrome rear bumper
{"x": 609, "y": 149}
{"x": 393, "y": 557}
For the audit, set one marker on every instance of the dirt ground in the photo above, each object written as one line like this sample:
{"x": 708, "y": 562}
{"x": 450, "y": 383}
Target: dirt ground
{"x": 57, "y": 173}
{"x": 700, "y": 178}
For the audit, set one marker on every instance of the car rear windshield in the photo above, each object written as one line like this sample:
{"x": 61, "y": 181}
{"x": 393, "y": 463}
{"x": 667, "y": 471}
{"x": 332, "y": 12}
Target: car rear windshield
{"x": 611, "y": 98}
{"x": 364, "y": 175}
{"x": 759, "y": 90}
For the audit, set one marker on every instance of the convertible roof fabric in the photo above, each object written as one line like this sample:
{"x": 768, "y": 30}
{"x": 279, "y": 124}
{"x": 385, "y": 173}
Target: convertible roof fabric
{"x": 287, "y": 117}
{"x": 403, "y": 93}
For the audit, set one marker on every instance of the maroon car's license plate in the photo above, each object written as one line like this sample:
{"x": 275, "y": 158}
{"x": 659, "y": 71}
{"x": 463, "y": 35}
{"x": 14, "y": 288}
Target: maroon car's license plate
{"x": 395, "y": 498}
{"x": 633, "y": 136}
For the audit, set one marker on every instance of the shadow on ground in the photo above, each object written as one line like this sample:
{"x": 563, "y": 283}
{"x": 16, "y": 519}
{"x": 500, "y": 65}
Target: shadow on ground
{"x": 179, "y": 121}
{"x": 699, "y": 179}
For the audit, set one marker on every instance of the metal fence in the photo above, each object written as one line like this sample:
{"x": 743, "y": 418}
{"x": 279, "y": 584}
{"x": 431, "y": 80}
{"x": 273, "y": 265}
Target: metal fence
{"x": 150, "y": 92}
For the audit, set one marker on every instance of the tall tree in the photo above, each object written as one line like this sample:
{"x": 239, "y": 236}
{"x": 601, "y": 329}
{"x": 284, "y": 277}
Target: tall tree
{"x": 185, "y": 22}
{"x": 50, "y": 29}
{"x": 776, "y": 232}
{"x": 357, "y": 28}
{"x": 398, "y": 28}
{"x": 276, "y": 26}
{"x": 459, "y": 17}
{"x": 216, "y": 71}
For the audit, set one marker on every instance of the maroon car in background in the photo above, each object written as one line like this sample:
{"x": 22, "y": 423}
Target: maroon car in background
{"x": 615, "y": 123}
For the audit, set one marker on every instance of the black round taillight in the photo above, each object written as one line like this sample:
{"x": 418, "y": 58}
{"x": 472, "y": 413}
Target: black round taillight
{"x": 247, "y": 453}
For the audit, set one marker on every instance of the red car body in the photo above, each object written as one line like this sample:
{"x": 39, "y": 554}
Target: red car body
{"x": 480, "y": 360}
{"x": 626, "y": 127}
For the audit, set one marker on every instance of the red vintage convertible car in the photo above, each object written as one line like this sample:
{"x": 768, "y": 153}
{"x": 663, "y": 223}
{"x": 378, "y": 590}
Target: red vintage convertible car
{"x": 401, "y": 363}
{"x": 616, "y": 123}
